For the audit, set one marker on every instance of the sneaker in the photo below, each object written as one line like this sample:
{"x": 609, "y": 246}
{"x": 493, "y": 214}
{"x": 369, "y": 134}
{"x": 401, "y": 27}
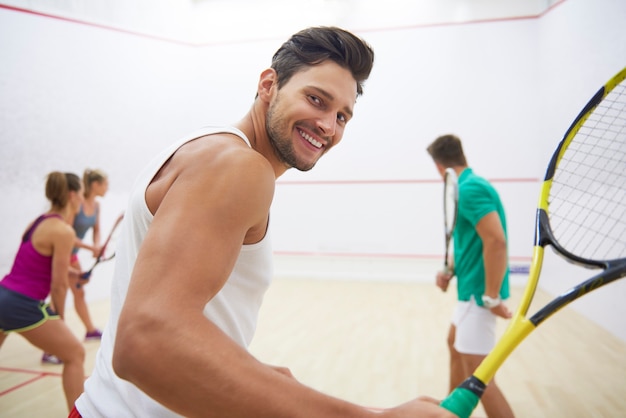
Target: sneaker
{"x": 50, "y": 359}
{"x": 93, "y": 335}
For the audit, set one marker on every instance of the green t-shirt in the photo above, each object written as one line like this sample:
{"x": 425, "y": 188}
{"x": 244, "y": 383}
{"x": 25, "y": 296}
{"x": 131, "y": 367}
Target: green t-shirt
{"x": 477, "y": 198}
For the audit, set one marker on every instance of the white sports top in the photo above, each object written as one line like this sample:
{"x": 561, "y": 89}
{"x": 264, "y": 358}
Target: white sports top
{"x": 234, "y": 309}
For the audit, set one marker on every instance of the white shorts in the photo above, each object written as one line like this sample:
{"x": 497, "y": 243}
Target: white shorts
{"x": 475, "y": 328}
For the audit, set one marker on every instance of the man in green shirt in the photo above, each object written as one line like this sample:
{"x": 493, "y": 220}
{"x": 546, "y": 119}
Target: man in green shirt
{"x": 480, "y": 265}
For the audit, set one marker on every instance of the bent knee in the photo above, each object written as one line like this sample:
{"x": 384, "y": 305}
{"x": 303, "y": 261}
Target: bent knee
{"x": 75, "y": 353}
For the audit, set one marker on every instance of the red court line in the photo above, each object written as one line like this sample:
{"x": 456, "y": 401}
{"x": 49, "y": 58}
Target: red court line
{"x": 39, "y": 375}
{"x": 193, "y": 44}
{"x": 364, "y": 255}
{"x": 396, "y": 181}
{"x": 517, "y": 259}
{"x": 95, "y": 25}
{"x": 16, "y": 370}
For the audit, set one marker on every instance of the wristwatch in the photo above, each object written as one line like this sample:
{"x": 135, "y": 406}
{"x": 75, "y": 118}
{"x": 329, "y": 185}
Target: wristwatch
{"x": 489, "y": 302}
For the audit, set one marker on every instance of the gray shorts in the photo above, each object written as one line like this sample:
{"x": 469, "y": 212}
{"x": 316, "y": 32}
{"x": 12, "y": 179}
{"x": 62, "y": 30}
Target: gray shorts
{"x": 19, "y": 313}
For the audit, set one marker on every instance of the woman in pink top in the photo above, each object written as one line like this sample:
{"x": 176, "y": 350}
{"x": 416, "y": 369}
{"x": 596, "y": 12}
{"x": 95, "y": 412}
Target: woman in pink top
{"x": 41, "y": 269}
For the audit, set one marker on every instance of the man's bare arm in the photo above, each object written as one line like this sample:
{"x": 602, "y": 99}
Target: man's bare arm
{"x": 495, "y": 256}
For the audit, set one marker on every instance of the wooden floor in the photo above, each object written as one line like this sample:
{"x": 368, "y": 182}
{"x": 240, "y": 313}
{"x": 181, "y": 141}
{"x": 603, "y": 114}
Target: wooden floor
{"x": 377, "y": 345}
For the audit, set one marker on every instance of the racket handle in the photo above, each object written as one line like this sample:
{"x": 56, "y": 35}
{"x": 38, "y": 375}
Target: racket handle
{"x": 464, "y": 399}
{"x": 84, "y": 276}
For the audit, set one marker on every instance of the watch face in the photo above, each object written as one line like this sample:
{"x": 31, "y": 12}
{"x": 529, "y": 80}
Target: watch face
{"x": 490, "y": 302}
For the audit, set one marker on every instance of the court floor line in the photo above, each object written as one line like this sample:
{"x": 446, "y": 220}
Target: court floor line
{"x": 39, "y": 375}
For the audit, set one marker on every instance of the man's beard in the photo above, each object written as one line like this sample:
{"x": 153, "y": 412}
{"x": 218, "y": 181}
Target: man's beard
{"x": 279, "y": 134}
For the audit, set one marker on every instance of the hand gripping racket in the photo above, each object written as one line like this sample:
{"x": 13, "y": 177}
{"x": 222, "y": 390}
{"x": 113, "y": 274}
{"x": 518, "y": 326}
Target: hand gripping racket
{"x": 581, "y": 214}
{"x": 107, "y": 252}
{"x": 450, "y": 202}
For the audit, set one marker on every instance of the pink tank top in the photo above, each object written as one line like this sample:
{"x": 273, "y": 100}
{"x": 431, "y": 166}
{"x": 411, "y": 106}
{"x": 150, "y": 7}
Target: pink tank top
{"x": 31, "y": 273}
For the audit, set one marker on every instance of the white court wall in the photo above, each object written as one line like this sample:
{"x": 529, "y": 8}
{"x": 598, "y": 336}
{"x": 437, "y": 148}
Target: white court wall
{"x": 75, "y": 96}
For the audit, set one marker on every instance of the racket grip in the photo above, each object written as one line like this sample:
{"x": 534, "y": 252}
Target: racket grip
{"x": 464, "y": 399}
{"x": 83, "y": 277}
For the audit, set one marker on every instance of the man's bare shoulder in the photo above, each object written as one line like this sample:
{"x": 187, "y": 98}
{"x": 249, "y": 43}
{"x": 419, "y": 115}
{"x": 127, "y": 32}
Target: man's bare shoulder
{"x": 220, "y": 151}
{"x": 207, "y": 164}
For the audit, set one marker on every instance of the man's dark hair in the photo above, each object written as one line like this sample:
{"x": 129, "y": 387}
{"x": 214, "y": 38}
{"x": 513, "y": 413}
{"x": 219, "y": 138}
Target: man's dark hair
{"x": 447, "y": 150}
{"x": 315, "y": 45}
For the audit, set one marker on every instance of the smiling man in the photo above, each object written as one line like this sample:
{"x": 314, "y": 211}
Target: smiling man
{"x": 194, "y": 258}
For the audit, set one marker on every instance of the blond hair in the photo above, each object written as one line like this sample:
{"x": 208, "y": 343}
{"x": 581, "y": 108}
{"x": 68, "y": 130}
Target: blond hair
{"x": 91, "y": 176}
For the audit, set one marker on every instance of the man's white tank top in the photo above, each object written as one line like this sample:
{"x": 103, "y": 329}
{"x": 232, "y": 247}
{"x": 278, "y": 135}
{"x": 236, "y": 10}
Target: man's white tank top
{"x": 234, "y": 309}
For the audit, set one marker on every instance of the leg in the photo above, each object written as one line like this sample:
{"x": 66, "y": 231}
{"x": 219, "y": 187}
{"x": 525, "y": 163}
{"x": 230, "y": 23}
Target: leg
{"x": 80, "y": 305}
{"x": 494, "y": 402}
{"x": 56, "y": 338}
{"x": 3, "y": 336}
{"x": 475, "y": 337}
{"x": 457, "y": 373}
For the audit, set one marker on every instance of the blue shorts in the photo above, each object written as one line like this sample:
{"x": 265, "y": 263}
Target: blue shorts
{"x": 19, "y": 313}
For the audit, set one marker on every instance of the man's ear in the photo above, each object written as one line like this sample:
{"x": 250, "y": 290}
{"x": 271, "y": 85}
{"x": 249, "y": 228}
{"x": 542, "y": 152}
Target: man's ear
{"x": 440, "y": 168}
{"x": 268, "y": 83}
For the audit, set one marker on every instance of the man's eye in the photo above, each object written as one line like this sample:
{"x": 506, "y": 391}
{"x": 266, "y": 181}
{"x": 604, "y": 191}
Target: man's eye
{"x": 315, "y": 100}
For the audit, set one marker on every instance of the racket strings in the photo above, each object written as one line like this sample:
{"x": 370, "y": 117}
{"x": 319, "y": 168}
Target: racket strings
{"x": 587, "y": 202}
